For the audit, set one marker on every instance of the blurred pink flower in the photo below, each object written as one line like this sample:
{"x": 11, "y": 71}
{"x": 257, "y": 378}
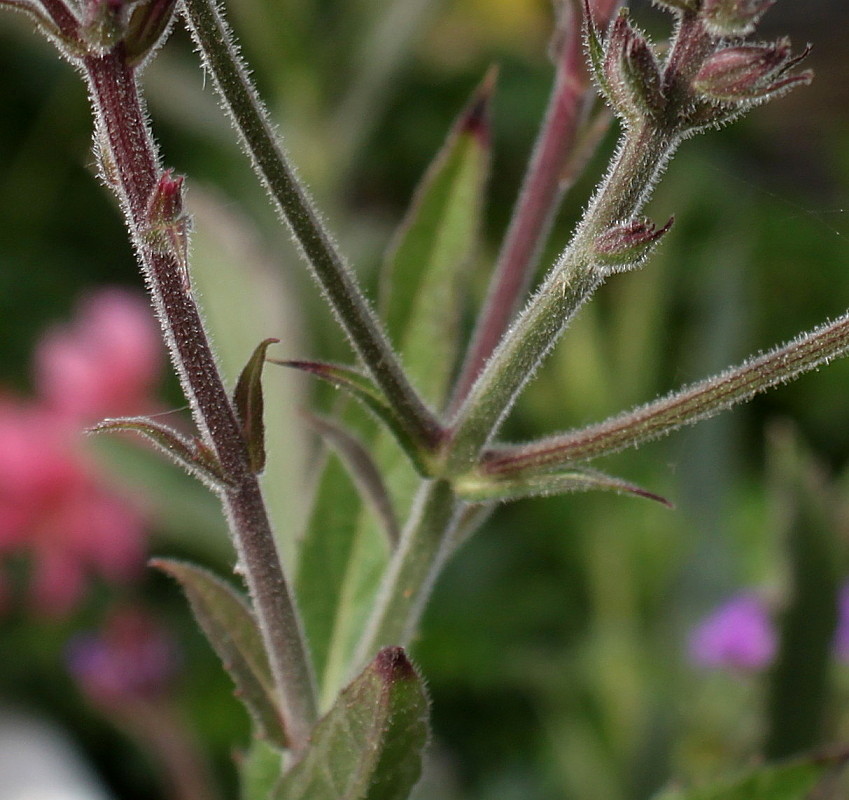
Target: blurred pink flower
{"x": 106, "y": 362}
{"x": 55, "y": 506}
{"x": 131, "y": 658}
{"x": 737, "y": 635}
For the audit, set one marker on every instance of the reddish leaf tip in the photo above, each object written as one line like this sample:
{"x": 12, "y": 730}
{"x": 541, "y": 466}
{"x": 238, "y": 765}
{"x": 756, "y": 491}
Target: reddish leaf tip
{"x": 392, "y": 665}
{"x": 476, "y": 119}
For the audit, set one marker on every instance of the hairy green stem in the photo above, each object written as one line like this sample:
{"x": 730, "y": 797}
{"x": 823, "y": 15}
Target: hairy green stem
{"x": 685, "y": 407}
{"x": 642, "y": 155}
{"x": 271, "y": 164}
{"x": 426, "y": 543}
{"x": 132, "y": 168}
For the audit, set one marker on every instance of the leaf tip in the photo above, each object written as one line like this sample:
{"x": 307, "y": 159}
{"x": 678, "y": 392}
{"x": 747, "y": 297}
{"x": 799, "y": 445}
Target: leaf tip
{"x": 393, "y": 666}
{"x": 476, "y": 119}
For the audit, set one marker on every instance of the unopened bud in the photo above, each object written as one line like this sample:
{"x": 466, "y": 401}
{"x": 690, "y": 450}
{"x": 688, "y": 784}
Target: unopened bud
{"x": 631, "y": 72}
{"x": 104, "y": 22}
{"x": 166, "y": 224}
{"x": 625, "y": 246}
{"x": 733, "y": 17}
{"x": 749, "y": 72}
{"x": 147, "y": 28}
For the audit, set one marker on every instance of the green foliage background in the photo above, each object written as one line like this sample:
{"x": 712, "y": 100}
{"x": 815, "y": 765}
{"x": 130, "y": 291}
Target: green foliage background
{"x": 555, "y": 643}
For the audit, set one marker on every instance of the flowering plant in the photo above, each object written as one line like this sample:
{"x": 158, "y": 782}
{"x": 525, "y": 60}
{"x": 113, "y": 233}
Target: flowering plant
{"x": 317, "y": 649}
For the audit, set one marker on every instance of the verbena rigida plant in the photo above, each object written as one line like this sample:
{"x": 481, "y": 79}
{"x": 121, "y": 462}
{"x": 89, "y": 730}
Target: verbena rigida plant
{"x": 317, "y": 647}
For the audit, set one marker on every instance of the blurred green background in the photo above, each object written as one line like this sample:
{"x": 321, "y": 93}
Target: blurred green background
{"x": 555, "y": 645}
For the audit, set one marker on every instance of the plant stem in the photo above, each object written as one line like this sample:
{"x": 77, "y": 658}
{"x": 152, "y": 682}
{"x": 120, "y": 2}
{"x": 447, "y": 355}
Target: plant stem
{"x": 642, "y": 155}
{"x": 132, "y": 167}
{"x": 271, "y": 164}
{"x": 426, "y": 543}
{"x": 685, "y": 407}
{"x": 539, "y": 199}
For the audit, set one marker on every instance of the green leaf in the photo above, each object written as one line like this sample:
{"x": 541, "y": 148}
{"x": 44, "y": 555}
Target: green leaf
{"x": 789, "y": 781}
{"x": 247, "y": 398}
{"x": 363, "y": 471}
{"x": 361, "y": 388}
{"x": 479, "y": 487}
{"x": 327, "y": 562}
{"x": 192, "y": 454}
{"x": 427, "y": 269}
{"x": 369, "y": 745}
{"x": 226, "y": 619}
{"x": 260, "y": 768}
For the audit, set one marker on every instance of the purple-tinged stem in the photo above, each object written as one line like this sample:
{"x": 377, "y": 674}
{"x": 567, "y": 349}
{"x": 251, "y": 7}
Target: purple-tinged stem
{"x": 67, "y": 24}
{"x": 132, "y": 167}
{"x": 539, "y": 199}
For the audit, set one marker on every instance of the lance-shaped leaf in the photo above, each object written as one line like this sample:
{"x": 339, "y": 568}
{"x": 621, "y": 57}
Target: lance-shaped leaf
{"x": 363, "y": 471}
{"x": 480, "y": 487}
{"x": 427, "y": 268}
{"x": 226, "y": 619}
{"x": 362, "y": 389}
{"x": 247, "y": 398}
{"x": 369, "y": 745}
{"x": 794, "y": 780}
{"x": 191, "y": 454}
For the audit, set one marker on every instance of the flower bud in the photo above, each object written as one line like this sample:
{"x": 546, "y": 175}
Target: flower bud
{"x": 631, "y": 72}
{"x": 733, "y": 17}
{"x": 147, "y": 28}
{"x": 749, "y": 72}
{"x": 167, "y": 226}
{"x": 624, "y": 246}
{"x": 103, "y": 23}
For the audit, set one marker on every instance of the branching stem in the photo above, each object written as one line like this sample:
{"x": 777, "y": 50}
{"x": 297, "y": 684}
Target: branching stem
{"x": 642, "y": 155}
{"x": 273, "y": 169}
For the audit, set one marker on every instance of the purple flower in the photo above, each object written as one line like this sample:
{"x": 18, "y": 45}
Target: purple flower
{"x": 132, "y": 658}
{"x": 738, "y": 635}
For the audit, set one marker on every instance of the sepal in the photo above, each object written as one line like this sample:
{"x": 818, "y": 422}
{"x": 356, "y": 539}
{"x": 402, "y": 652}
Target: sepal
{"x": 632, "y": 75}
{"x": 147, "y": 28}
{"x": 104, "y": 23}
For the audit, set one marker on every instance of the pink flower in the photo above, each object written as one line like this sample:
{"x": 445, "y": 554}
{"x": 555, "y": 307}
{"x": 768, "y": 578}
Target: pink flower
{"x": 55, "y": 507}
{"x": 106, "y": 362}
{"x": 738, "y": 635}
